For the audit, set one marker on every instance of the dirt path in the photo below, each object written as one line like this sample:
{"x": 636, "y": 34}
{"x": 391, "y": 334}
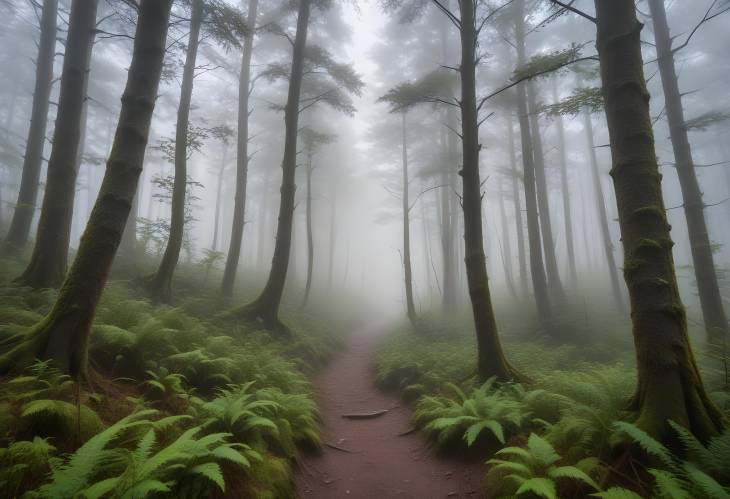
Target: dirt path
{"x": 380, "y": 463}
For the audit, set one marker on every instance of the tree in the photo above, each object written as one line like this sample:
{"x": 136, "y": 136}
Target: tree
{"x": 567, "y": 215}
{"x": 669, "y": 384}
{"x": 222, "y": 133}
{"x": 25, "y": 206}
{"x": 49, "y": 260}
{"x": 242, "y": 155}
{"x": 585, "y": 101}
{"x": 313, "y": 140}
{"x": 328, "y": 80}
{"x": 537, "y": 267}
{"x": 226, "y": 26}
{"x": 716, "y": 325}
{"x": 63, "y": 335}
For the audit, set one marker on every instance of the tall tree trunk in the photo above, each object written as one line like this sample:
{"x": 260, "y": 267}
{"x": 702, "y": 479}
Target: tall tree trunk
{"x": 218, "y": 190}
{"x": 408, "y": 275}
{"x": 565, "y": 185}
{"x": 17, "y": 236}
{"x": 264, "y": 218}
{"x": 506, "y": 248}
{"x": 669, "y": 384}
{"x": 490, "y": 360}
{"x": 49, "y": 260}
{"x": 713, "y": 313}
{"x": 517, "y": 208}
{"x": 537, "y": 269}
{"x": 448, "y": 246}
{"x": 266, "y": 306}
{"x": 239, "y": 209}
{"x": 333, "y": 231}
{"x": 161, "y": 282}
{"x": 543, "y": 198}
{"x": 602, "y": 215}
{"x": 63, "y": 336}
{"x": 310, "y": 236}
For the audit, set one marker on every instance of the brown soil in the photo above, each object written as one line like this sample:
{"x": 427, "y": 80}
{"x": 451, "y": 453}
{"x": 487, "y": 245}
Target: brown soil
{"x": 373, "y": 461}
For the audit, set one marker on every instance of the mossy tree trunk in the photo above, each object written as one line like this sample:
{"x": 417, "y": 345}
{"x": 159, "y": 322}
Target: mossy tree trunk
{"x": 17, "y": 236}
{"x": 669, "y": 383}
{"x": 242, "y": 156}
{"x": 713, "y": 313}
{"x": 490, "y": 360}
{"x": 521, "y": 260}
{"x": 537, "y": 267}
{"x": 266, "y": 307}
{"x": 49, "y": 260}
{"x": 310, "y": 235}
{"x": 543, "y": 198}
{"x": 602, "y": 215}
{"x": 565, "y": 187}
{"x": 63, "y": 336}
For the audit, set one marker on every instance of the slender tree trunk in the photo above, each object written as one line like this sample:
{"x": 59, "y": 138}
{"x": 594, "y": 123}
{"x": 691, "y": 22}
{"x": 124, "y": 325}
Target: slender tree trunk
{"x": 670, "y": 387}
{"x": 568, "y": 216}
{"x": 408, "y": 275}
{"x": 310, "y": 236}
{"x": 713, "y": 313}
{"x": 602, "y": 215}
{"x": 266, "y": 306}
{"x": 506, "y": 248}
{"x": 219, "y": 189}
{"x": 264, "y": 219}
{"x": 491, "y": 360}
{"x": 17, "y": 236}
{"x": 63, "y": 336}
{"x": 49, "y": 260}
{"x": 537, "y": 269}
{"x": 333, "y": 231}
{"x": 543, "y": 198}
{"x": 517, "y": 209}
{"x": 239, "y": 209}
{"x": 161, "y": 282}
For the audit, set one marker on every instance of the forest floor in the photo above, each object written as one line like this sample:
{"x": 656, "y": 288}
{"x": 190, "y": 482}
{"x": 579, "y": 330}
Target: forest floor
{"x": 380, "y": 457}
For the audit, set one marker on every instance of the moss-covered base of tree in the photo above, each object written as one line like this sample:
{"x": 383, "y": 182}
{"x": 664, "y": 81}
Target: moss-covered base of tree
{"x": 263, "y": 313}
{"x": 159, "y": 287}
{"x": 677, "y": 395}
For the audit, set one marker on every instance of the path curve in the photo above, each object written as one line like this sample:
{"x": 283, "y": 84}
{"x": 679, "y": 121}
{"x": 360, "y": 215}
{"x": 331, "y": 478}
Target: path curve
{"x": 380, "y": 464}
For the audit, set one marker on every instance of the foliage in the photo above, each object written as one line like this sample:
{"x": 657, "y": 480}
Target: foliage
{"x": 590, "y": 99}
{"x": 703, "y": 474}
{"x": 535, "y": 470}
{"x": 548, "y": 63}
{"x": 487, "y": 410}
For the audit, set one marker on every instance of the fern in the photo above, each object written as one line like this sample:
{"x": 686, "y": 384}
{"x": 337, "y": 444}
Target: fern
{"x": 533, "y": 470}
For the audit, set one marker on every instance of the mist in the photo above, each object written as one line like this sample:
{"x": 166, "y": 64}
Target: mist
{"x": 393, "y": 248}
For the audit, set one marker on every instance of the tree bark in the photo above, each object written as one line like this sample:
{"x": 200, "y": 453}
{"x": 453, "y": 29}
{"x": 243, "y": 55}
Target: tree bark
{"x": 517, "y": 209}
{"x": 543, "y": 199}
{"x": 713, "y": 313}
{"x": 602, "y": 215}
{"x": 49, "y": 259}
{"x": 310, "y": 236}
{"x": 669, "y": 383}
{"x": 490, "y": 360}
{"x": 407, "y": 270}
{"x": 63, "y": 336}
{"x": 24, "y": 212}
{"x": 333, "y": 231}
{"x": 161, "y": 282}
{"x": 537, "y": 269}
{"x": 266, "y": 306}
{"x": 565, "y": 185}
{"x": 239, "y": 209}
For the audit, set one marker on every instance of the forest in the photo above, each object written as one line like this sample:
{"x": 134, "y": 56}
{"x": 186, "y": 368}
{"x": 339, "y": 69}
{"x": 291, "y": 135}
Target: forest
{"x": 323, "y": 249}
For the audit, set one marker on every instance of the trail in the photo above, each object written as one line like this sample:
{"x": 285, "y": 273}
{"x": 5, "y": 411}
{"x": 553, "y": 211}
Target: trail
{"x": 373, "y": 461}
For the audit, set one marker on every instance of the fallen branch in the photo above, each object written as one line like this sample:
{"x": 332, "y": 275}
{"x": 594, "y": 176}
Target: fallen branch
{"x": 337, "y": 447}
{"x": 407, "y": 432}
{"x": 365, "y": 415}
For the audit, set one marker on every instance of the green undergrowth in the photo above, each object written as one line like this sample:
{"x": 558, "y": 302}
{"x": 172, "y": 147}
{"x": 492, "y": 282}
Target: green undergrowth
{"x": 179, "y": 402}
{"x": 565, "y": 434}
